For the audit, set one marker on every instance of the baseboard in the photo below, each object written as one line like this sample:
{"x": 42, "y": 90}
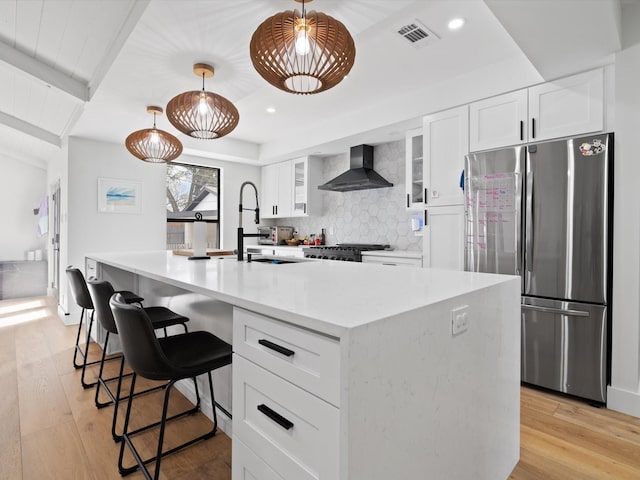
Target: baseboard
{"x": 623, "y": 401}
{"x": 224, "y": 423}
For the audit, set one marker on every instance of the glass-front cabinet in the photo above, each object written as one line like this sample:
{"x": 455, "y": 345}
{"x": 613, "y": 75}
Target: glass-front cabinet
{"x": 414, "y": 170}
{"x": 300, "y": 171}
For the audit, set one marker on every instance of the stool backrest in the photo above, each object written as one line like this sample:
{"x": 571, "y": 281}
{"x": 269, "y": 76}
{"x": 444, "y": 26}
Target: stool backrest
{"x": 139, "y": 342}
{"x": 101, "y": 292}
{"x": 79, "y": 289}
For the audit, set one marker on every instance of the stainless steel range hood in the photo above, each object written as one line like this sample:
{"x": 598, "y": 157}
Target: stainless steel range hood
{"x": 360, "y": 176}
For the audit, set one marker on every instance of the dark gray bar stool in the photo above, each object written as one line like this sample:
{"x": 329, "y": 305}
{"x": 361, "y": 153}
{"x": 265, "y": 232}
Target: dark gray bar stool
{"x": 82, "y": 298}
{"x": 172, "y": 359}
{"x": 161, "y": 317}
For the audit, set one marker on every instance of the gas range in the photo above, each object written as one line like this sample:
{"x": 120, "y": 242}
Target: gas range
{"x": 347, "y": 252}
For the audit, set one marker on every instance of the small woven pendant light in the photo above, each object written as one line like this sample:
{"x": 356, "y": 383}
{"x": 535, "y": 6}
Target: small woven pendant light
{"x": 202, "y": 114}
{"x": 153, "y": 145}
{"x": 302, "y": 53}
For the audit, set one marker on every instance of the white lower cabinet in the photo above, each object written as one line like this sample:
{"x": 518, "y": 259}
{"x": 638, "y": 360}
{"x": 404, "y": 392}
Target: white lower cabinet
{"x": 443, "y": 241}
{"x": 280, "y": 429}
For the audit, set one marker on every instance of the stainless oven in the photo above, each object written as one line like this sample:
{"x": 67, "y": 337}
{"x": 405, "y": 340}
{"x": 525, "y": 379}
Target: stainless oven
{"x": 274, "y": 235}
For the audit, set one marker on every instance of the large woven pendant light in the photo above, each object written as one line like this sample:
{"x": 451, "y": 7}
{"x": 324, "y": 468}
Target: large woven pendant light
{"x": 202, "y": 114}
{"x": 153, "y": 145}
{"x": 302, "y": 53}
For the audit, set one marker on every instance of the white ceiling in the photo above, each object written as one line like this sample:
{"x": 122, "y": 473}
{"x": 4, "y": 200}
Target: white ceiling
{"x": 89, "y": 68}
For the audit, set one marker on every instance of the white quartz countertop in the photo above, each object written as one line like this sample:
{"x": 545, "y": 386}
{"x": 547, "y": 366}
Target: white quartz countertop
{"x": 393, "y": 253}
{"x": 327, "y": 296}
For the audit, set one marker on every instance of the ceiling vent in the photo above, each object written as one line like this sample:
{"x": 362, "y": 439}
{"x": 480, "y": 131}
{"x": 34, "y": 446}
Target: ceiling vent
{"x": 416, "y": 33}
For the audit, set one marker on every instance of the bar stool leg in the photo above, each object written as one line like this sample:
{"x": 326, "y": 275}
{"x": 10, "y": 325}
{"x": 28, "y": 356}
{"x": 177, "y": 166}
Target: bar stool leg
{"x": 117, "y": 438}
{"x": 85, "y": 355}
{"x": 125, "y": 438}
{"x": 99, "y": 383}
{"x": 77, "y": 365}
{"x": 213, "y": 405}
{"x": 163, "y": 422}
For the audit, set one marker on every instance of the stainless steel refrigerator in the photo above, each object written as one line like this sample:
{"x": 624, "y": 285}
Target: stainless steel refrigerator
{"x": 544, "y": 212}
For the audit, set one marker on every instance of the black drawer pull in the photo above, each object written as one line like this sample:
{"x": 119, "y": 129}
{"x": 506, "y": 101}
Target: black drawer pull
{"x": 276, "y": 347}
{"x": 276, "y": 417}
{"x": 533, "y": 128}
{"x": 521, "y": 130}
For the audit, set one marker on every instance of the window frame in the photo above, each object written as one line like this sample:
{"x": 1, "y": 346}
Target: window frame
{"x": 190, "y": 218}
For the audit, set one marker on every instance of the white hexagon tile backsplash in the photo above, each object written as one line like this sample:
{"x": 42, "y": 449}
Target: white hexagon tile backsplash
{"x": 365, "y": 216}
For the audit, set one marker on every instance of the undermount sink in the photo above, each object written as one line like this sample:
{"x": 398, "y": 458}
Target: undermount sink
{"x": 278, "y": 260}
{"x": 274, "y": 261}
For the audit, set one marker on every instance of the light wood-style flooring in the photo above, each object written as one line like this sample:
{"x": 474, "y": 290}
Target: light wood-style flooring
{"x": 50, "y": 428}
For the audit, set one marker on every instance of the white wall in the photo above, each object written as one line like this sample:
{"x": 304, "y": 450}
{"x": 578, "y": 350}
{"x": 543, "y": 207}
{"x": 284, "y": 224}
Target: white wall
{"x": 624, "y": 393}
{"x": 85, "y": 230}
{"x": 22, "y": 185}
{"x": 88, "y": 230}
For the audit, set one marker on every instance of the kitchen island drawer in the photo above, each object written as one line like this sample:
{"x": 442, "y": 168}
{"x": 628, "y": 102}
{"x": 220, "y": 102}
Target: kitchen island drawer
{"x": 246, "y": 465}
{"x": 393, "y": 261}
{"x": 307, "y": 359}
{"x": 297, "y": 432}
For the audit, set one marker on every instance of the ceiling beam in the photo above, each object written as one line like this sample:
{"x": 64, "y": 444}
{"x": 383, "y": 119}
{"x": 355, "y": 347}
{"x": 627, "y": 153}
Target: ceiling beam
{"x": 30, "y": 129}
{"x": 43, "y": 72}
{"x": 137, "y": 9}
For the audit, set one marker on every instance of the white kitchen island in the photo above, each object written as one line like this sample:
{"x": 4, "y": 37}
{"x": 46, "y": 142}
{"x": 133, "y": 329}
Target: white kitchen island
{"x": 359, "y": 361}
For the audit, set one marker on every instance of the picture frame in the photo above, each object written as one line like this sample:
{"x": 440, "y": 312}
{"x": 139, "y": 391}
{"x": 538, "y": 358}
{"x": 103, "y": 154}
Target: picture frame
{"x": 119, "y": 196}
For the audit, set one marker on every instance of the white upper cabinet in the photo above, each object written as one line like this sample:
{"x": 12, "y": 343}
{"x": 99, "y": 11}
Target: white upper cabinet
{"x": 288, "y": 188}
{"x": 569, "y": 106}
{"x": 498, "y": 121}
{"x": 561, "y": 108}
{"x": 414, "y": 170}
{"x": 277, "y": 190}
{"x": 445, "y": 143}
{"x": 306, "y": 172}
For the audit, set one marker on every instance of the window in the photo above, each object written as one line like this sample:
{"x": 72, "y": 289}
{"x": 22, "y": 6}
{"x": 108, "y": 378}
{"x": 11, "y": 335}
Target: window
{"x": 191, "y": 189}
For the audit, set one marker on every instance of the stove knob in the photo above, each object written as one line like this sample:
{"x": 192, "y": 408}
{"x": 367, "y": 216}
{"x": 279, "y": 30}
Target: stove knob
{"x": 333, "y": 257}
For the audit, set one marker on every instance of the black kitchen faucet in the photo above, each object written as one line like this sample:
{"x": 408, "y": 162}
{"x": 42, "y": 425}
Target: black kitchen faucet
{"x": 241, "y": 234}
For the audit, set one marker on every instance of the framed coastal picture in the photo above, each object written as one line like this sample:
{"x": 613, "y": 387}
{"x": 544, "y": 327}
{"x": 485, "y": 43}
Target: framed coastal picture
{"x": 119, "y": 196}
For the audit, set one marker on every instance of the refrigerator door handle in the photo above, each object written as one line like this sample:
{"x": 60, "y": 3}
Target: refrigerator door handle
{"x": 573, "y": 313}
{"x": 529, "y": 227}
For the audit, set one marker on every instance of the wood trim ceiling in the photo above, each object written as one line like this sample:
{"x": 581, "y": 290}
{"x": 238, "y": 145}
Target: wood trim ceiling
{"x": 40, "y": 75}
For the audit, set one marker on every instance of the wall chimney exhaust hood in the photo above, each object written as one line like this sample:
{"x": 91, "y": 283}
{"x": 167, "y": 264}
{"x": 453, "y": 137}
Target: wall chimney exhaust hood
{"x": 360, "y": 176}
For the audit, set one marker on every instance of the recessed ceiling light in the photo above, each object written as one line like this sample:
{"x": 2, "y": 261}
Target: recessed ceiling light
{"x": 271, "y": 110}
{"x": 456, "y": 23}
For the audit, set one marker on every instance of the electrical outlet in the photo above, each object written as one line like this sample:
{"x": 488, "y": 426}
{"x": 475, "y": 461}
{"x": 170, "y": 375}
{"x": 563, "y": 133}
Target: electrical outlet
{"x": 459, "y": 319}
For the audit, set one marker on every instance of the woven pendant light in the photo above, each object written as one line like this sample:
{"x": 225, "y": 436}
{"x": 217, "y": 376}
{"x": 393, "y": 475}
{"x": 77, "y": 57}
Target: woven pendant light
{"x": 302, "y": 53}
{"x": 202, "y": 114}
{"x": 153, "y": 145}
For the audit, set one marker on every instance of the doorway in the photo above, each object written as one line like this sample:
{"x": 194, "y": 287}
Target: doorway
{"x": 55, "y": 242}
